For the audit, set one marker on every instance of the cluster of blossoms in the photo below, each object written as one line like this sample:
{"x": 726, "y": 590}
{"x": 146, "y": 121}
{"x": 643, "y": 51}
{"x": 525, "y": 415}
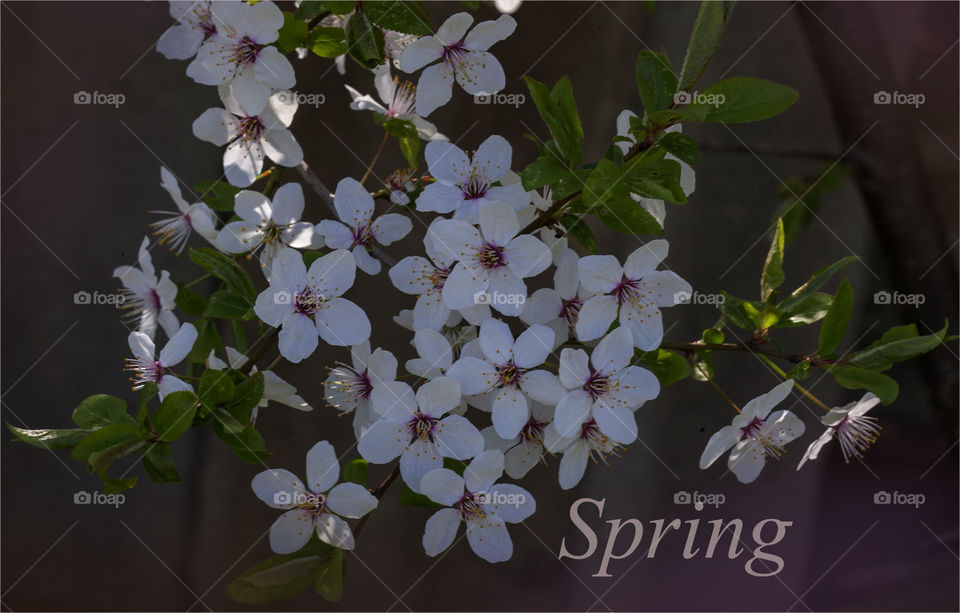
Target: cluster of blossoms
{"x": 552, "y": 373}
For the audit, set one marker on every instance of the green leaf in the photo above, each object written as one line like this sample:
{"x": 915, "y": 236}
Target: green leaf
{"x": 188, "y": 302}
{"x": 558, "y": 110}
{"x": 330, "y": 579}
{"x": 712, "y": 336}
{"x": 216, "y": 388}
{"x": 809, "y": 309}
{"x": 681, "y": 146}
{"x": 281, "y": 576}
{"x": 115, "y": 486}
{"x": 247, "y": 444}
{"x": 356, "y": 472}
{"x": 248, "y": 395}
{"x": 654, "y": 177}
{"x": 668, "y": 366}
{"x": 655, "y": 80}
{"x": 856, "y": 378}
{"x": 101, "y": 410}
{"x": 896, "y": 345}
{"x": 147, "y": 393}
{"x": 747, "y": 314}
{"x": 227, "y": 304}
{"x": 407, "y": 137}
{"x": 412, "y": 499}
{"x": 309, "y": 9}
{"x": 773, "y": 276}
{"x": 292, "y": 34}
{"x": 159, "y": 465}
{"x": 818, "y": 280}
{"x": 175, "y": 415}
{"x": 364, "y": 41}
{"x": 48, "y": 438}
{"x": 207, "y": 338}
{"x": 704, "y": 42}
{"x": 327, "y": 42}
{"x": 577, "y": 230}
{"x": 628, "y": 217}
{"x": 406, "y": 16}
{"x": 106, "y": 438}
{"x": 545, "y": 170}
{"x": 227, "y": 270}
{"x": 835, "y": 322}
{"x": 741, "y": 99}
{"x": 220, "y": 195}
{"x": 340, "y": 7}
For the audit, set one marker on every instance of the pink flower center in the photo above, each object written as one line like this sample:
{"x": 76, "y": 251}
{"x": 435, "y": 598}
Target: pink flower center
{"x": 307, "y": 301}
{"x": 597, "y": 385}
{"x": 474, "y": 188}
{"x": 422, "y": 427}
{"x": 490, "y": 256}
{"x": 246, "y": 51}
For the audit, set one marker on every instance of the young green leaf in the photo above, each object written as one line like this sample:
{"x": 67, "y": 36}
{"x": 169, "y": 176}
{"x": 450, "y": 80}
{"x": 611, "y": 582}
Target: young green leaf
{"x": 330, "y": 579}
{"x": 742, "y": 99}
{"x": 159, "y": 465}
{"x": 175, "y": 415}
{"x": 835, "y": 322}
{"x": 356, "y": 472}
{"x": 578, "y": 230}
{"x": 227, "y": 270}
{"x": 896, "y": 346}
{"x": 668, "y": 366}
{"x": 818, "y": 280}
{"x": 292, "y": 34}
{"x": 106, "y": 438}
{"x": 773, "y": 276}
{"x": 406, "y": 16}
{"x": 281, "y": 577}
{"x": 681, "y": 146}
{"x": 101, "y": 410}
{"x": 856, "y": 378}
{"x": 655, "y": 80}
{"x": 220, "y": 195}
{"x": 227, "y": 304}
{"x": 50, "y": 439}
{"x": 327, "y": 42}
{"x": 704, "y": 42}
{"x": 365, "y": 42}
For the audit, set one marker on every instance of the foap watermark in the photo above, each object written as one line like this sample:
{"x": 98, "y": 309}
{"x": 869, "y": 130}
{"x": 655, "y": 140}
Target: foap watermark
{"x": 884, "y": 97}
{"x": 884, "y": 297}
{"x": 298, "y": 499}
{"x": 699, "y": 499}
{"x": 884, "y": 497}
{"x": 696, "y": 297}
{"x": 714, "y": 100}
{"x": 302, "y": 99}
{"x": 502, "y": 499}
{"x": 85, "y": 297}
{"x": 114, "y": 500}
{"x": 514, "y": 100}
{"x": 492, "y": 298}
{"x": 100, "y": 98}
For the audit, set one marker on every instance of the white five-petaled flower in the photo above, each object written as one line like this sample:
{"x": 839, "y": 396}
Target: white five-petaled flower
{"x": 250, "y": 136}
{"x": 194, "y": 24}
{"x": 851, "y": 426}
{"x": 240, "y": 55}
{"x": 636, "y": 290}
{"x": 755, "y": 435}
{"x": 476, "y": 499}
{"x": 348, "y": 387}
{"x": 492, "y": 262}
{"x": 274, "y": 388}
{"x": 308, "y": 303}
{"x": 268, "y": 226}
{"x": 688, "y": 177}
{"x": 175, "y": 230}
{"x": 558, "y": 307}
{"x": 148, "y": 367}
{"x": 399, "y": 101}
{"x": 585, "y": 443}
{"x": 465, "y": 186}
{"x": 608, "y": 393}
{"x": 147, "y": 299}
{"x": 462, "y": 56}
{"x": 414, "y": 427}
{"x": 508, "y": 368}
{"x": 318, "y": 506}
{"x": 357, "y": 230}
{"x": 435, "y": 355}
{"x": 526, "y": 449}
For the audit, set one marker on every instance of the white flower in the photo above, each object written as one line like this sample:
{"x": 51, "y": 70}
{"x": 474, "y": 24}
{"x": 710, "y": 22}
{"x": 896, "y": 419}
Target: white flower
{"x": 308, "y": 303}
{"x": 240, "y": 55}
{"x": 508, "y": 367}
{"x": 359, "y": 229}
{"x": 463, "y": 56}
{"x": 492, "y": 262}
{"x": 399, "y": 101}
{"x": 851, "y": 426}
{"x": 176, "y": 230}
{"x": 755, "y": 435}
{"x": 194, "y": 24}
{"x": 414, "y": 428}
{"x": 249, "y": 137}
{"x": 636, "y": 290}
{"x": 587, "y": 442}
{"x": 399, "y": 184}
{"x": 477, "y": 500}
{"x": 526, "y": 449}
{"x": 318, "y": 506}
{"x": 150, "y": 368}
{"x": 348, "y": 388}
{"x": 425, "y": 278}
{"x": 688, "y": 177}
{"x": 558, "y": 308}
{"x": 608, "y": 393}
{"x": 435, "y": 355}
{"x": 270, "y": 225}
{"x": 540, "y": 201}
{"x": 464, "y": 186}
{"x": 147, "y": 299}
{"x": 274, "y": 388}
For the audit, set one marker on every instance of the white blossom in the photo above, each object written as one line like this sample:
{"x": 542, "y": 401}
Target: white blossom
{"x": 274, "y": 388}
{"x": 851, "y": 426}
{"x": 558, "y": 307}
{"x": 399, "y": 102}
{"x": 195, "y": 23}
{"x": 348, "y": 387}
{"x": 148, "y": 367}
{"x": 585, "y": 443}
{"x": 148, "y": 300}
{"x": 175, "y": 230}
{"x": 319, "y": 506}
{"x": 526, "y": 449}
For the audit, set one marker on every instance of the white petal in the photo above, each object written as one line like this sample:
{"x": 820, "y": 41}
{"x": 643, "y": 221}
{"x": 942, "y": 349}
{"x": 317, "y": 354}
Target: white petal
{"x": 489, "y": 539}
{"x": 438, "y": 396}
{"x": 342, "y": 323}
{"x": 440, "y": 198}
{"x": 298, "y": 337}
{"x": 215, "y": 126}
{"x": 291, "y": 531}
{"x": 617, "y": 422}
{"x": 645, "y": 259}
{"x": 394, "y": 400}
{"x": 475, "y": 376}
{"x": 278, "y": 488}
{"x": 334, "y": 531}
{"x": 463, "y": 286}
{"x": 572, "y": 410}
{"x": 572, "y": 465}
{"x": 541, "y": 307}
{"x": 448, "y": 163}
{"x": 392, "y": 227}
{"x": 453, "y": 29}
{"x": 599, "y": 274}
{"x": 440, "y": 531}
{"x": 721, "y": 441}
{"x": 746, "y": 460}
{"x": 510, "y": 412}
{"x": 383, "y": 441}
{"x": 614, "y": 352}
{"x": 419, "y": 53}
{"x": 480, "y": 73}
{"x": 141, "y": 345}
{"x": 417, "y": 460}
{"x": 442, "y": 486}
{"x": 511, "y": 503}
{"x": 323, "y": 468}
{"x": 434, "y": 89}
{"x": 351, "y": 500}
{"x": 499, "y": 224}
{"x": 496, "y": 341}
{"x": 645, "y": 323}
{"x": 533, "y": 346}
{"x": 287, "y": 204}
{"x": 457, "y": 438}
{"x": 179, "y": 346}
{"x": 574, "y": 367}
{"x": 483, "y": 471}
{"x": 542, "y": 386}
{"x": 353, "y": 203}
{"x": 595, "y": 317}
{"x": 666, "y": 288}
{"x": 487, "y": 33}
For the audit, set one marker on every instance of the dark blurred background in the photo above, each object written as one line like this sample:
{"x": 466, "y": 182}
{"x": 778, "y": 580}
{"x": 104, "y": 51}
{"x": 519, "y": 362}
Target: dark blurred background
{"x": 78, "y": 182}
